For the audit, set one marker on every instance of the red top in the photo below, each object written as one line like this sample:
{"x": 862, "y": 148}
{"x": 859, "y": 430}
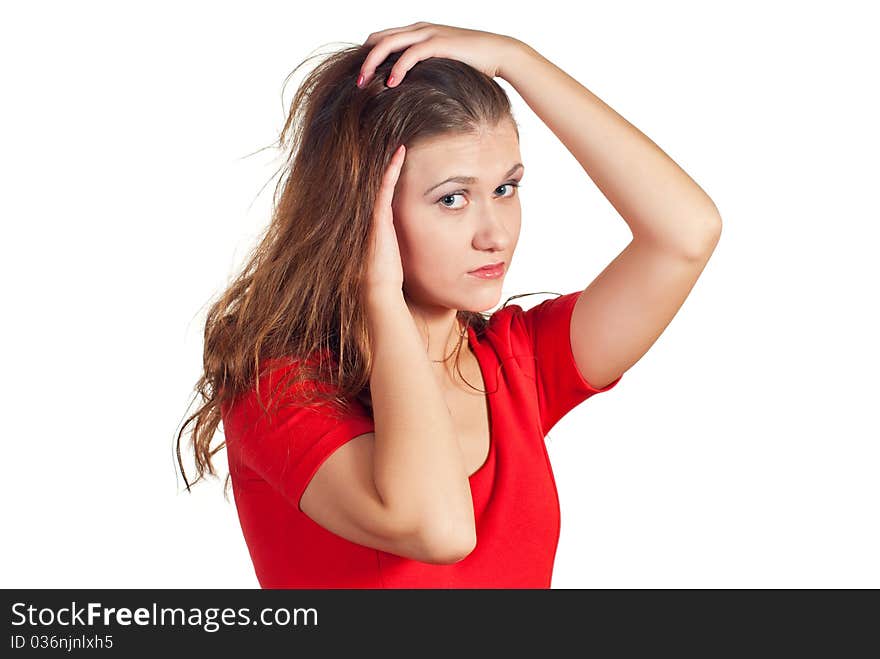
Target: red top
{"x": 528, "y": 368}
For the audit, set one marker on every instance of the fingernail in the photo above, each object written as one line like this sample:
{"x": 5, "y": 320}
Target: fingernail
{"x": 390, "y": 80}
{"x": 360, "y": 80}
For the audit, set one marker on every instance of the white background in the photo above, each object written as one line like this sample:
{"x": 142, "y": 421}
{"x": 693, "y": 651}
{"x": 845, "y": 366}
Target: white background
{"x": 741, "y": 451}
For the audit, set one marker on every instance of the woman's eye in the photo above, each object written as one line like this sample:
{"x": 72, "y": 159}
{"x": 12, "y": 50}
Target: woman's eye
{"x": 443, "y": 199}
{"x": 512, "y": 185}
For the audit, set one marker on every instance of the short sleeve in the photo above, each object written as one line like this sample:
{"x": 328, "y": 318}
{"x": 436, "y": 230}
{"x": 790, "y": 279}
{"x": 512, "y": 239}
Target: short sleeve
{"x": 286, "y": 447}
{"x": 561, "y": 387}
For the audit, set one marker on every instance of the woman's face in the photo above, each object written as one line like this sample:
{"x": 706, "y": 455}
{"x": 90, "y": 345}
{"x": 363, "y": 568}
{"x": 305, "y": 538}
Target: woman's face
{"x": 446, "y": 230}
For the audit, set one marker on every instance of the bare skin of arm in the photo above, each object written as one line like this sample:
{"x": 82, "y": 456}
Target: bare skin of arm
{"x": 403, "y": 488}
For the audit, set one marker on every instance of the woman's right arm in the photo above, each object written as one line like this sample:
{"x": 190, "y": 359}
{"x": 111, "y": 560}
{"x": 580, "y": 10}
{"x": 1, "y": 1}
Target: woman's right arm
{"x": 418, "y": 465}
{"x": 403, "y": 488}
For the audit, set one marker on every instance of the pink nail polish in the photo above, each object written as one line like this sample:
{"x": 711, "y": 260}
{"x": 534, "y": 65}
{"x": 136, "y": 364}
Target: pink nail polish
{"x": 360, "y": 80}
{"x": 390, "y": 80}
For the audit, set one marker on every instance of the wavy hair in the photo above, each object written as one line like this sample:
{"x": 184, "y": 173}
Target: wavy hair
{"x": 299, "y": 293}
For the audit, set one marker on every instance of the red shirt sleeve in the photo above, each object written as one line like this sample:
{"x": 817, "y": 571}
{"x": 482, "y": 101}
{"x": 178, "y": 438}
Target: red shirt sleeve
{"x": 286, "y": 447}
{"x": 561, "y": 387}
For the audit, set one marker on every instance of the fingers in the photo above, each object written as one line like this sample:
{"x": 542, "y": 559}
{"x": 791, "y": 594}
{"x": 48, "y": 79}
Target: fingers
{"x": 412, "y": 56}
{"x": 375, "y": 36}
{"x": 389, "y": 180}
{"x": 390, "y": 44}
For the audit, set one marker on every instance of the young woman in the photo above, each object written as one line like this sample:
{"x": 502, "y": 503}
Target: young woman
{"x": 381, "y": 431}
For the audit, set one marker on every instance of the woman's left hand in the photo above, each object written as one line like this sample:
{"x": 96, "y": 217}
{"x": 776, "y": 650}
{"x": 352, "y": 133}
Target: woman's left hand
{"x": 482, "y": 50}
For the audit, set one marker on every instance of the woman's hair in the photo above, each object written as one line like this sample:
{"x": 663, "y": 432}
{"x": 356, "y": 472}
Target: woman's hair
{"x": 299, "y": 294}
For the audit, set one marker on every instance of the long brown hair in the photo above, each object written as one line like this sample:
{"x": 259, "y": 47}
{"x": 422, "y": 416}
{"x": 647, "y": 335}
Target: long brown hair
{"x": 299, "y": 293}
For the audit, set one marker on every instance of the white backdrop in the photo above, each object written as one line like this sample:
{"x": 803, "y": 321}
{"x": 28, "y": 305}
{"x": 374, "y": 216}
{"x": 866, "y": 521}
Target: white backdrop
{"x": 741, "y": 451}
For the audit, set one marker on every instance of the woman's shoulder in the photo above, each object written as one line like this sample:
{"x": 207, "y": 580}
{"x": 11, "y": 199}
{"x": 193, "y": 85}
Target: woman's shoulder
{"x": 278, "y": 381}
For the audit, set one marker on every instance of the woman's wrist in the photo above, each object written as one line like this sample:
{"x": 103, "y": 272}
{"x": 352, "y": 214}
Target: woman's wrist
{"x": 514, "y": 52}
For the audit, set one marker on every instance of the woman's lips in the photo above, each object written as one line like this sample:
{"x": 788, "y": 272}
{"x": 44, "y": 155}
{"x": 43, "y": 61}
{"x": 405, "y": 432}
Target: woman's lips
{"x": 489, "y": 272}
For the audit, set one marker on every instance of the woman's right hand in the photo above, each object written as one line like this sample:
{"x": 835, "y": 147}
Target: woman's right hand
{"x": 384, "y": 271}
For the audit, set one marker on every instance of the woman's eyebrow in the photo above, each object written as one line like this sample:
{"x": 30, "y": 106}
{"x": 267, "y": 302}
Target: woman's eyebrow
{"x": 471, "y": 179}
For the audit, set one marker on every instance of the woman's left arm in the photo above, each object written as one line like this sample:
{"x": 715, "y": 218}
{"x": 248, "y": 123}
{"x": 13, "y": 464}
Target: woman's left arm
{"x": 675, "y": 225}
{"x": 661, "y": 204}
